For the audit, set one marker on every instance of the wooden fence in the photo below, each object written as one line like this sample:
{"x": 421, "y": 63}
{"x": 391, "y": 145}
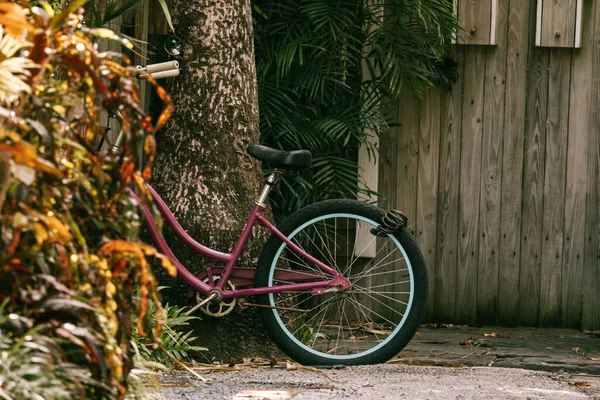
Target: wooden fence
{"x": 500, "y": 178}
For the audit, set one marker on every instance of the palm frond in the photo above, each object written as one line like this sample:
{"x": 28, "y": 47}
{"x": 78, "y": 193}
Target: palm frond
{"x": 324, "y": 70}
{"x": 14, "y": 71}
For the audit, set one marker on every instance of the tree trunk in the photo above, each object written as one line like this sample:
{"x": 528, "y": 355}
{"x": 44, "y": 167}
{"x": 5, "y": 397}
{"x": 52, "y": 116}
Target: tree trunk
{"x": 202, "y": 169}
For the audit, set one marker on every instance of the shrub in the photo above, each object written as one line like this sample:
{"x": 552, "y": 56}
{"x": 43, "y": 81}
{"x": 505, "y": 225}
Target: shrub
{"x": 69, "y": 255}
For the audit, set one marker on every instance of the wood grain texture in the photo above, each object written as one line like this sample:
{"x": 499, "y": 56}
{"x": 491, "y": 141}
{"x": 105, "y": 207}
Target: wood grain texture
{"x": 533, "y": 229}
{"x": 470, "y": 185}
{"x": 557, "y": 125}
{"x": 509, "y": 253}
{"x": 388, "y": 159}
{"x": 491, "y": 173}
{"x": 448, "y": 193}
{"x": 408, "y": 161}
{"x": 533, "y": 181}
{"x": 475, "y": 18}
{"x": 558, "y": 23}
{"x": 590, "y": 318}
{"x": 580, "y": 126}
{"x": 427, "y": 183}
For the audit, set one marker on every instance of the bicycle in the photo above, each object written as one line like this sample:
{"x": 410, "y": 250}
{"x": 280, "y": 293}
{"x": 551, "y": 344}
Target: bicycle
{"x": 338, "y": 282}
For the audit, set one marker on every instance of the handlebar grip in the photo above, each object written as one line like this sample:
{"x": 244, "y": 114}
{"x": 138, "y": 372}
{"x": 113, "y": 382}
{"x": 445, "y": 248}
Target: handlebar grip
{"x": 165, "y": 74}
{"x": 160, "y": 67}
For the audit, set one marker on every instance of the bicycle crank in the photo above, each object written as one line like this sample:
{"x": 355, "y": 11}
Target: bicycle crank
{"x": 215, "y": 309}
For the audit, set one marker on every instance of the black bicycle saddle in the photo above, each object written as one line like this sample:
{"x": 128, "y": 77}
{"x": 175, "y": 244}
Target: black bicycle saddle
{"x": 292, "y": 160}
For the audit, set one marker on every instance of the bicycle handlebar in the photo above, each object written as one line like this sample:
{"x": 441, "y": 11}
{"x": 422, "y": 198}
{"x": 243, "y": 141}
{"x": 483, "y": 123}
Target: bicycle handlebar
{"x": 162, "y": 70}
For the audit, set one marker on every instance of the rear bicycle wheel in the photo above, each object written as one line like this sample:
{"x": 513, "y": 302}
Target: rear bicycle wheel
{"x": 366, "y": 324}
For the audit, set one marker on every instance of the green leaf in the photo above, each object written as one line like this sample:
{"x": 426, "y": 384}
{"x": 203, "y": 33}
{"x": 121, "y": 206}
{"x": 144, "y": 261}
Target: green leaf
{"x": 165, "y": 9}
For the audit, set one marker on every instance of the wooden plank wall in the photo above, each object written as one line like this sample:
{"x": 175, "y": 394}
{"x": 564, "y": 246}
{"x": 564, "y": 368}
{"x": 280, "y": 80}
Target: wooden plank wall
{"x": 500, "y": 179}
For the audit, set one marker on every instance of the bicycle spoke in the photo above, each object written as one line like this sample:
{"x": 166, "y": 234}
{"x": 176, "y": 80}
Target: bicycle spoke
{"x": 376, "y": 266}
{"x": 348, "y": 268}
{"x": 377, "y": 292}
{"x": 314, "y": 317}
{"x": 340, "y": 309}
{"x": 320, "y": 325}
{"x": 384, "y": 285}
{"x": 312, "y": 309}
{"x": 356, "y": 303}
{"x": 315, "y": 245}
{"x": 382, "y": 303}
{"x": 351, "y": 261}
{"x": 335, "y": 239}
{"x": 303, "y": 264}
{"x": 351, "y": 333}
{"x": 371, "y": 311}
{"x": 326, "y": 243}
{"x": 377, "y": 274}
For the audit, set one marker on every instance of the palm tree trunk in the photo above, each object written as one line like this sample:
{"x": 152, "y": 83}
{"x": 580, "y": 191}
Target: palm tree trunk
{"x": 202, "y": 169}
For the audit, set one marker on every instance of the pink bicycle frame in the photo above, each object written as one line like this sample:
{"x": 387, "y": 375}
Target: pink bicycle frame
{"x": 230, "y": 259}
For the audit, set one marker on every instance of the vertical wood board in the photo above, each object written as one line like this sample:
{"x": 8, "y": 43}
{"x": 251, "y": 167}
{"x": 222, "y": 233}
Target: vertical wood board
{"x": 491, "y": 174}
{"x": 591, "y": 274}
{"x": 470, "y": 178}
{"x": 478, "y": 19}
{"x": 533, "y": 181}
{"x": 388, "y": 158}
{"x": 583, "y": 133}
{"x": 512, "y": 161}
{"x": 557, "y": 125}
{"x": 408, "y": 149}
{"x": 427, "y": 184}
{"x": 448, "y": 194}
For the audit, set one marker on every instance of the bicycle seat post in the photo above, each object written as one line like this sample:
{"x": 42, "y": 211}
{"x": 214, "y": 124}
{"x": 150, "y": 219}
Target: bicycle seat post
{"x": 267, "y": 188}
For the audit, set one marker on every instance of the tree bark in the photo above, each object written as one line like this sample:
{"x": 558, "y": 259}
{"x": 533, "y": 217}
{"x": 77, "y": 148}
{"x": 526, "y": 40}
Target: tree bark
{"x": 202, "y": 169}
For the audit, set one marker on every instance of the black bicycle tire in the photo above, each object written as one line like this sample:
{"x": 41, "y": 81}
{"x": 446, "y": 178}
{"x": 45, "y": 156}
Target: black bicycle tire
{"x": 406, "y": 240}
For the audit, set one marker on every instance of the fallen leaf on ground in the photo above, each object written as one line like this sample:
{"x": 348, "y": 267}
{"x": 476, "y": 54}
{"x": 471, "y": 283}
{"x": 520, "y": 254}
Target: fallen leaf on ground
{"x": 368, "y": 385}
{"x": 292, "y": 366}
{"x": 581, "y": 385}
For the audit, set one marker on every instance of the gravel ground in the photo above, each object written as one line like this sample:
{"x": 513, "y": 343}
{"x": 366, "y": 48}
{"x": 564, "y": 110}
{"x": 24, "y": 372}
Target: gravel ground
{"x": 382, "y": 382}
